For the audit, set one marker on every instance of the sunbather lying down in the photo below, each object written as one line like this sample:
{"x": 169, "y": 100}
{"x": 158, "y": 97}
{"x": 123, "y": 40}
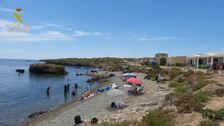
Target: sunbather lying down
{"x": 78, "y": 121}
{"x": 86, "y": 95}
{"x": 118, "y": 105}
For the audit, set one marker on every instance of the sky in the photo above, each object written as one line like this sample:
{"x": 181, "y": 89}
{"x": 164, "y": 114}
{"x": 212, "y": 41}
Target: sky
{"x": 111, "y": 28}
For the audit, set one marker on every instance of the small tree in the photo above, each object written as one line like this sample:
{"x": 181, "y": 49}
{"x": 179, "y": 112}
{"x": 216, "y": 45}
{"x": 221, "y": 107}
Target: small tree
{"x": 163, "y": 61}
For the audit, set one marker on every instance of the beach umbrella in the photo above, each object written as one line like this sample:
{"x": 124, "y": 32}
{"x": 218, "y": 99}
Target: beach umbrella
{"x": 135, "y": 81}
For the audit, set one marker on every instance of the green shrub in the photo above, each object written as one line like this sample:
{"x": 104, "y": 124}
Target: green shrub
{"x": 153, "y": 72}
{"x": 201, "y": 96}
{"x": 179, "y": 64}
{"x": 188, "y": 73}
{"x": 157, "y": 117}
{"x": 220, "y": 114}
{"x": 174, "y": 73}
{"x": 219, "y": 92}
{"x": 174, "y": 84}
{"x": 188, "y": 101}
{"x": 176, "y": 70}
{"x": 199, "y": 99}
{"x": 180, "y": 91}
{"x": 170, "y": 99}
{"x": 185, "y": 103}
{"x": 200, "y": 74}
{"x": 197, "y": 106}
{"x": 209, "y": 114}
{"x": 163, "y": 61}
{"x": 181, "y": 80}
{"x": 213, "y": 114}
{"x": 165, "y": 71}
{"x": 115, "y": 124}
{"x": 208, "y": 123}
{"x": 200, "y": 84}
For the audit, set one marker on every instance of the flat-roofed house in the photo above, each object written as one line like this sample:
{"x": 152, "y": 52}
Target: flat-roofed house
{"x": 177, "y": 60}
{"x": 161, "y": 58}
{"x": 203, "y": 60}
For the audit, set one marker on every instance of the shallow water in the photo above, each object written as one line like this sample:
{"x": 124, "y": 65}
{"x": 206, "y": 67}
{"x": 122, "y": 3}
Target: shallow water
{"x": 23, "y": 94}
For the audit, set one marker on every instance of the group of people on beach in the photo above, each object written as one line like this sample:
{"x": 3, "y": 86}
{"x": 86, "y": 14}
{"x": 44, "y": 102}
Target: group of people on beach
{"x": 78, "y": 121}
{"x": 66, "y": 89}
{"x": 215, "y": 67}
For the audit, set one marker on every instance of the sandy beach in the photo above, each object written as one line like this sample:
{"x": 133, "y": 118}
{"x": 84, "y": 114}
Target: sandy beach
{"x": 99, "y": 104}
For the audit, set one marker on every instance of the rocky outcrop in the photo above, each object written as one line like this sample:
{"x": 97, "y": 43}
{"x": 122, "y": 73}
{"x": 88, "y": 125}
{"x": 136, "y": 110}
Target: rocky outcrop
{"x": 20, "y": 70}
{"x": 37, "y": 114}
{"x": 47, "y": 69}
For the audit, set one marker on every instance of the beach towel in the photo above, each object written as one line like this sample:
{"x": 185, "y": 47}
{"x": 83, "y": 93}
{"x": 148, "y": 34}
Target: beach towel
{"x": 114, "y": 86}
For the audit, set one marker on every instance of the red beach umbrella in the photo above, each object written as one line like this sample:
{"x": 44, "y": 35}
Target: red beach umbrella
{"x": 135, "y": 81}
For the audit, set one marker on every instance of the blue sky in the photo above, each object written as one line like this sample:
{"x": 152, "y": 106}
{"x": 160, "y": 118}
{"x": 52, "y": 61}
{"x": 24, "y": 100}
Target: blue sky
{"x": 118, "y": 28}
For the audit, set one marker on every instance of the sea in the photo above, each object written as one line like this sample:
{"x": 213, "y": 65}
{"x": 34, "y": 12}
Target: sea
{"x": 24, "y": 94}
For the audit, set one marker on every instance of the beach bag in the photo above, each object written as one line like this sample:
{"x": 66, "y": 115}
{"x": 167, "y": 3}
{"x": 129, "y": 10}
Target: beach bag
{"x": 78, "y": 119}
{"x": 113, "y": 105}
{"x": 94, "y": 120}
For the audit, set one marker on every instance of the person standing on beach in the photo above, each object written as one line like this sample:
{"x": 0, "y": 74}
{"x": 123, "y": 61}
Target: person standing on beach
{"x": 65, "y": 88}
{"x": 222, "y": 68}
{"x": 158, "y": 80}
{"x": 76, "y": 86}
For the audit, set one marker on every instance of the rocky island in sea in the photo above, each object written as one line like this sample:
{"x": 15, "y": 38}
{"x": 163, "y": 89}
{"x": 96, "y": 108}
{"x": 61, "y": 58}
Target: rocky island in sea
{"x": 42, "y": 68}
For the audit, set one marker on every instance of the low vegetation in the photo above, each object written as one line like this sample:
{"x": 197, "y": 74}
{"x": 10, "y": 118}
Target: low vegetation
{"x": 185, "y": 85}
{"x": 115, "y": 124}
{"x": 158, "y": 117}
{"x": 208, "y": 123}
{"x": 215, "y": 115}
{"x": 219, "y": 92}
{"x": 153, "y": 72}
{"x": 188, "y": 95}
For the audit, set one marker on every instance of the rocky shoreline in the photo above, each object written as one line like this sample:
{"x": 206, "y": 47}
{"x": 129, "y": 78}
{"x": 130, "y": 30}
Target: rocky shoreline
{"x": 36, "y": 117}
{"x": 98, "y": 106}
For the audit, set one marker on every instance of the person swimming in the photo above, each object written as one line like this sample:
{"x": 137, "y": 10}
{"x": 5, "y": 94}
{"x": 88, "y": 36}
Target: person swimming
{"x": 74, "y": 92}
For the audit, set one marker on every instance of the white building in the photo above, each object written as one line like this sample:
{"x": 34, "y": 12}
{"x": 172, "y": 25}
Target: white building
{"x": 201, "y": 60}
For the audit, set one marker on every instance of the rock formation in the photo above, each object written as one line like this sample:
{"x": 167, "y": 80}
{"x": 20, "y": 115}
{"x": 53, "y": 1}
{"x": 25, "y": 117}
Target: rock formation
{"x": 47, "y": 69}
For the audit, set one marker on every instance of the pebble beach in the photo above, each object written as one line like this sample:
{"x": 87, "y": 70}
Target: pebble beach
{"x": 98, "y": 106}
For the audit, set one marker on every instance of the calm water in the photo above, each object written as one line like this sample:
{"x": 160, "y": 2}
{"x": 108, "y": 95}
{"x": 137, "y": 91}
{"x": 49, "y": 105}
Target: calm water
{"x": 23, "y": 94}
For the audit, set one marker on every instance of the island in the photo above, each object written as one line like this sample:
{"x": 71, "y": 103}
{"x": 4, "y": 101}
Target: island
{"x": 47, "y": 69}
